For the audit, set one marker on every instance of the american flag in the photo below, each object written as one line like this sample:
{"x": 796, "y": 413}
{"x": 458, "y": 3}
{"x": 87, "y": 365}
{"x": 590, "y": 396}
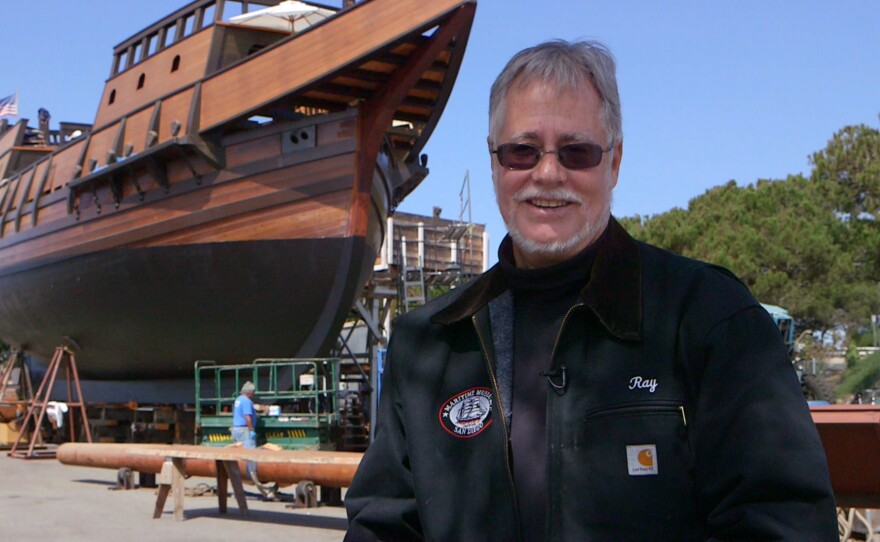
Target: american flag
{"x": 9, "y": 106}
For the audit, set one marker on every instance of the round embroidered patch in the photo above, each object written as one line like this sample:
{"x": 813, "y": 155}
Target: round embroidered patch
{"x": 466, "y": 414}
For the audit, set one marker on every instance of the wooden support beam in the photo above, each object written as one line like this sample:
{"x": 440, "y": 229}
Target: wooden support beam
{"x": 12, "y": 188}
{"x": 377, "y": 114}
{"x": 22, "y": 199}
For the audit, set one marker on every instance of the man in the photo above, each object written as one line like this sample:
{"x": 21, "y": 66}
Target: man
{"x": 589, "y": 386}
{"x": 244, "y": 426}
{"x": 244, "y": 417}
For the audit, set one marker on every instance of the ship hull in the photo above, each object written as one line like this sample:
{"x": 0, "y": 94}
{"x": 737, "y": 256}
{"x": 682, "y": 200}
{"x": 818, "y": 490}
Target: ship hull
{"x": 247, "y": 261}
{"x": 150, "y": 313}
{"x": 231, "y": 197}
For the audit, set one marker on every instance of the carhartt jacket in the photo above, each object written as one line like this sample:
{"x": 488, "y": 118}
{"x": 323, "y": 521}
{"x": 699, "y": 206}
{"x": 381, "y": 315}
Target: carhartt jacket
{"x": 675, "y": 415}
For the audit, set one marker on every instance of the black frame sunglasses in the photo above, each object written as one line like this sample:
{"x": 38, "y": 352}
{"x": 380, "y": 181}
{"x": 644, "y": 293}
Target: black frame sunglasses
{"x": 572, "y": 156}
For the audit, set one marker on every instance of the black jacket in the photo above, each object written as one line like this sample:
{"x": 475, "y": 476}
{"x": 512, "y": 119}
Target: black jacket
{"x": 681, "y": 417}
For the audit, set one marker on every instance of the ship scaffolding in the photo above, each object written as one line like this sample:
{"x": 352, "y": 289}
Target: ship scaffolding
{"x": 422, "y": 258}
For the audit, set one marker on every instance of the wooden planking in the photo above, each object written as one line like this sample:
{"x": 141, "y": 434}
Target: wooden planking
{"x": 4, "y": 193}
{"x": 4, "y": 162}
{"x": 311, "y": 56}
{"x": 339, "y": 130}
{"x": 250, "y": 151}
{"x": 23, "y": 223}
{"x": 11, "y": 196}
{"x": 377, "y": 114}
{"x": 7, "y": 210}
{"x": 220, "y": 201}
{"x": 24, "y": 191}
{"x": 159, "y": 80}
{"x": 64, "y": 165}
{"x": 41, "y": 168}
{"x": 136, "y": 128}
{"x": 48, "y": 213}
{"x": 312, "y": 218}
{"x": 11, "y": 137}
{"x": 99, "y": 144}
{"x": 175, "y": 108}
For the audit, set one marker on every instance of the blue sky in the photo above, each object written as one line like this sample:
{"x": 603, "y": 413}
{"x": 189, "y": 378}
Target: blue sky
{"x": 711, "y": 90}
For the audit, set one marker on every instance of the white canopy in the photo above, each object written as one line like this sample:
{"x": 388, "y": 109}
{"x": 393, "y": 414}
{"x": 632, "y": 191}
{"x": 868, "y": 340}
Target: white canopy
{"x": 290, "y": 15}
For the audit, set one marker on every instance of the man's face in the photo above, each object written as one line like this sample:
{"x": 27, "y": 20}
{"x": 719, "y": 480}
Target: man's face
{"x": 551, "y": 212}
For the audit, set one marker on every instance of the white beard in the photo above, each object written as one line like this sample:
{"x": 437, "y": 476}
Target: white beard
{"x": 589, "y": 230}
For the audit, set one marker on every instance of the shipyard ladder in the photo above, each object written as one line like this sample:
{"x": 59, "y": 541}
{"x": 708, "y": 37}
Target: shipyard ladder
{"x": 37, "y": 411}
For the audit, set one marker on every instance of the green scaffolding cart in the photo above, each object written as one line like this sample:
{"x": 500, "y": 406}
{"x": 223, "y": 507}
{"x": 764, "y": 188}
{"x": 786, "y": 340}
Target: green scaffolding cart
{"x": 296, "y": 399}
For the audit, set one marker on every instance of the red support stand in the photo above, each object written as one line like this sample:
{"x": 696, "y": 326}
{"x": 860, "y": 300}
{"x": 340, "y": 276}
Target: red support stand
{"x": 25, "y": 388}
{"x": 37, "y": 410}
{"x": 15, "y": 393}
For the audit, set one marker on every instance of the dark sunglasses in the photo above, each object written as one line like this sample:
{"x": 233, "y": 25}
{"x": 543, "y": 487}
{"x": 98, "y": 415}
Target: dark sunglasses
{"x": 571, "y": 156}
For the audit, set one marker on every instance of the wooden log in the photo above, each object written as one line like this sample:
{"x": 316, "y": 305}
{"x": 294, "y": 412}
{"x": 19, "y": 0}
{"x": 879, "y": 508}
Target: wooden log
{"x": 332, "y": 469}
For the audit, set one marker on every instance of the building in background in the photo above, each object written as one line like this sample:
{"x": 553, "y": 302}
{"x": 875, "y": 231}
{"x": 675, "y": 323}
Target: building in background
{"x": 424, "y": 256}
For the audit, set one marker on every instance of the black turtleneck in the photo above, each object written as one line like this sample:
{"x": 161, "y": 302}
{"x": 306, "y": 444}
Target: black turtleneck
{"x": 541, "y": 298}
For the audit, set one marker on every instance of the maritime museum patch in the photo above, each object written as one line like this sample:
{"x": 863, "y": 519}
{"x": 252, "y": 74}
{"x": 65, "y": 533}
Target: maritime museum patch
{"x": 466, "y": 414}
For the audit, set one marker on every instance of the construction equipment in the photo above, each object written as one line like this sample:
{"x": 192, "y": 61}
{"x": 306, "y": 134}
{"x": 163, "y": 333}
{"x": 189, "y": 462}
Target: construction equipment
{"x": 816, "y": 389}
{"x": 297, "y": 397}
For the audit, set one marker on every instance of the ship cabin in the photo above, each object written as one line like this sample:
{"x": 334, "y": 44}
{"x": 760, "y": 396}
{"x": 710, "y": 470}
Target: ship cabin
{"x": 178, "y": 89}
{"x": 201, "y": 38}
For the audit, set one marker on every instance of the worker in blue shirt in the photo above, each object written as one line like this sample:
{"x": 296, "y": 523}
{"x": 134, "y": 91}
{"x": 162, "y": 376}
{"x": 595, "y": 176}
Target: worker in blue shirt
{"x": 244, "y": 417}
{"x": 244, "y": 423}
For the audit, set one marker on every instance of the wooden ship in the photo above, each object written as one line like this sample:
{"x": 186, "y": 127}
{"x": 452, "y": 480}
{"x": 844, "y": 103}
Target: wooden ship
{"x": 230, "y": 199}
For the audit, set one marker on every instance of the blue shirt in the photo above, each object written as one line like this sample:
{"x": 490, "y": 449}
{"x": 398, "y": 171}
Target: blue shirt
{"x": 243, "y": 407}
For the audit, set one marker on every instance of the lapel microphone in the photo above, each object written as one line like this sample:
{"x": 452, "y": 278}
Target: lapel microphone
{"x": 554, "y": 376}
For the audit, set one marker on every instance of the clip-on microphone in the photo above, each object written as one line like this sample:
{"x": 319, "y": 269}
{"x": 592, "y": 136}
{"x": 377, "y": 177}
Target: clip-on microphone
{"x": 559, "y": 389}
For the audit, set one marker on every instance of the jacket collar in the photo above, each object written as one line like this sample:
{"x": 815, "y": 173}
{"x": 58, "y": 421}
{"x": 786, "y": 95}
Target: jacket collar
{"x": 614, "y": 292}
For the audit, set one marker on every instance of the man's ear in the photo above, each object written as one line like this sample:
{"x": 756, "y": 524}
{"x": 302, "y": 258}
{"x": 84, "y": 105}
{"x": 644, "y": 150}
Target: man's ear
{"x": 615, "y": 162}
{"x": 491, "y": 158}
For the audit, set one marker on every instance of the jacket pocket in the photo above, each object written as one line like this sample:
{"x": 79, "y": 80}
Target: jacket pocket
{"x": 637, "y": 408}
{"x": 628, "y": 473}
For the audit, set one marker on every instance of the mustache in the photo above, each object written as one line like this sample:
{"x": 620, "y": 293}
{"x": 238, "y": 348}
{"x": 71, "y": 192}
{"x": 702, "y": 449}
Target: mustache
{"x": 534, "y": 192}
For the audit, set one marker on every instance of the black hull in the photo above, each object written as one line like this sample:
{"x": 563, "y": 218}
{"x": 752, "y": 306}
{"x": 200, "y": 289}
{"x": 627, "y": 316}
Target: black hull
{"x": 150, "y": 313}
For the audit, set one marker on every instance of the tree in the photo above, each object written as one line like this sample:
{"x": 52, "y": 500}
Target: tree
{"x": 847, "y": 171}
{"x": 847, "y": 174}
{"x": 811, "y": 245}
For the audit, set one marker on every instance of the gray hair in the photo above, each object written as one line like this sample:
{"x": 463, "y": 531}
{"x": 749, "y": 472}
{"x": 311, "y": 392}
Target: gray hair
{"x": 248, "y": 387}
{"x": 565, "y": 65}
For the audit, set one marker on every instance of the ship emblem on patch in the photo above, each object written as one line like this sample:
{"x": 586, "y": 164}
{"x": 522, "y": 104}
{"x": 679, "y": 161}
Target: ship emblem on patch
{"x": 466, "y": 414}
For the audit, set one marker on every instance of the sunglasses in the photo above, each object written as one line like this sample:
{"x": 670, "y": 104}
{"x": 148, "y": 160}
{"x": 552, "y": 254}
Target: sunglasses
{"x": 571, "y": 156}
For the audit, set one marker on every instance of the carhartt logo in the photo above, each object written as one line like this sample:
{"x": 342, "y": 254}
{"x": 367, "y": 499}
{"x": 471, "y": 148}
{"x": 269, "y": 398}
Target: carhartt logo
{"x": 642, "y": 460}
{"x": 641, "y": 383}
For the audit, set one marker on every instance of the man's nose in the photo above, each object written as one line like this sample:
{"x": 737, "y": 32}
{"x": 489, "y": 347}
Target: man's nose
{"x": 549, "y": 169}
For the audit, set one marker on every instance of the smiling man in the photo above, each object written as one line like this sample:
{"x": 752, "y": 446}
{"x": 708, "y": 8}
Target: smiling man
{"x": 589, "y": 386}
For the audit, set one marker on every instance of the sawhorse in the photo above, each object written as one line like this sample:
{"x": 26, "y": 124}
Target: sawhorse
{"x": 172, "y": 478}
{"x": 37, "y": 409}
